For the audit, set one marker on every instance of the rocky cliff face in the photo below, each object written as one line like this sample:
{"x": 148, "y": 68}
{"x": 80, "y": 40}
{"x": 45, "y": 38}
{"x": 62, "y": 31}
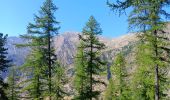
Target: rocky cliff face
{"x": 17, "y": 55}
{"x": 66, "y": 45}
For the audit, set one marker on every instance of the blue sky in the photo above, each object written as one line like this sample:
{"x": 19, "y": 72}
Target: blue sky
{"x": 73, "y": 14}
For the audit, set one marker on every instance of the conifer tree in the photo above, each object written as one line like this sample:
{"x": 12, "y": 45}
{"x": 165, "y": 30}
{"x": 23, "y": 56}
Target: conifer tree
{"x": 13, "y": 89}
{"x": 119, "y": 73}
{"x": 92, "y": 49}
{"x": 143, "y": 79}
{"x": 110, "y": 91}
{"x": 33, "y": 75}
{"x": 147, "y": 15}
{"x": 48, "y": 23}
{"x": 4, "y": 64}
{"x": 59, "y": 79}
{"x": 119, "y": 70}
{"x": 80, "y": 80}
{"x": 41, "y": 35}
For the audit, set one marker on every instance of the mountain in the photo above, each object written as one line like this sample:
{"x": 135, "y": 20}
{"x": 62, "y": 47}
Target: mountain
{"x": 17, "y": 55}
{"x": 66, "y": 45}
{"x": 65, "y": 48}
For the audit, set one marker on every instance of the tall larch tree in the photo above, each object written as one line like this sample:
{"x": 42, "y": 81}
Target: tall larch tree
{"x": 110, "y": 91}
{"x": 92, "y": 50}
{"x": 119, "y": 70}
{"x": 33, "y": 74}
{"x": 4, "y": 64}
{"x": 81, "y": 77}
{"x": 46, "y": 22}
{"x": 41, "y": 35}
{"x": 120, "y": 78}
{"x": 59, "y": 79}
{"x": 143, "y": 76}
{"x": 147, "y": 16}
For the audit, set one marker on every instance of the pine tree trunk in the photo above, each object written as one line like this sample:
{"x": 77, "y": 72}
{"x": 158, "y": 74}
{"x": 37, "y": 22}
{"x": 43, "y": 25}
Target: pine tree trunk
{"x": 49, "y": 61}
{"x": 91, "y": 61}
{"x": 156, "y": 83}
{"x": 91, "y": 84}
{"x": 156, "y": 70}
{"x": 49, "y": 50}
{"x": 49, "y": 69}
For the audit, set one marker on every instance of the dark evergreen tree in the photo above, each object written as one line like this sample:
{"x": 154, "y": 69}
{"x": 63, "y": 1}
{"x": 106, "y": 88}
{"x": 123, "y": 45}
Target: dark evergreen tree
{"x": 4, "y": 64}
{"x": 48, "y": 22}
{"x": 41, "y": 35}
{"x": 92, "y": 50}
{"x": 147, "y": 15}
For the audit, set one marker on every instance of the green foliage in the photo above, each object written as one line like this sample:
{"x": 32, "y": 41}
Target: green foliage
{"x": 59, "y": 80}
{"x": 120, "y": 78}
{"x": 13, "y": 92}
{"x": 41, "y": 61}
{"x": 44, "y": 77}
{"x": 4, "y": 64}
{"x": 33, "y": 82}
{"x": 110, "y": 91}
{"x": 91, "y": 55}
{"x": 81, "y": 78}
{"x": 143, "y": 79}
{"x": 45, "y": 29}
{"x": 147, "y": 16}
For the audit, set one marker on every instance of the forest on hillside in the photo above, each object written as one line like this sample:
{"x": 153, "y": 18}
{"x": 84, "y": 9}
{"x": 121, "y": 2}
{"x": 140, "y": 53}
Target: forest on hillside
{"x": 139, "y": 70}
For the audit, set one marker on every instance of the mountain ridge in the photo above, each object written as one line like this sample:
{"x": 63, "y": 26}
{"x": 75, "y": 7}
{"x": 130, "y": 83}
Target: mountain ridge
{"x": 65, "y": 48}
